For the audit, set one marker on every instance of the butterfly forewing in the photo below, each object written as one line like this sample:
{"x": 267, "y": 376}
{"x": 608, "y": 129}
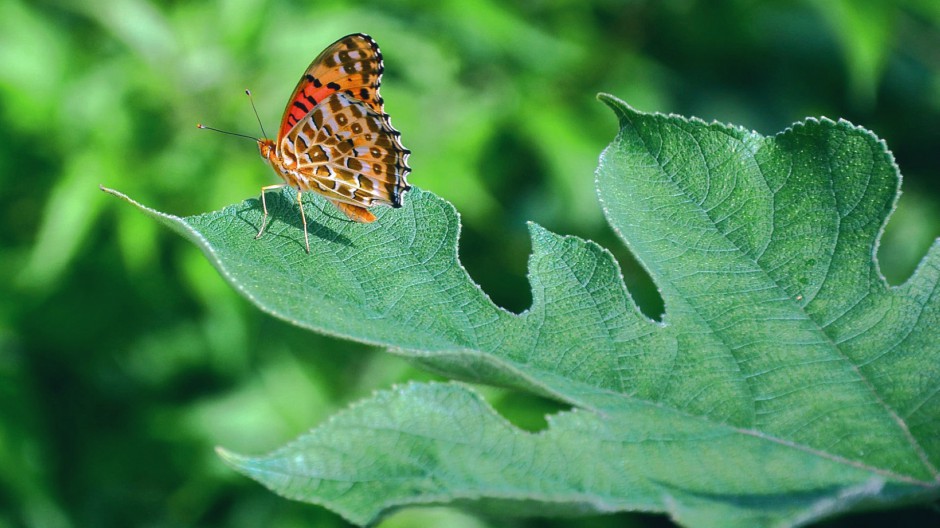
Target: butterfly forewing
{"x": 347, "y": 152}
{"x": 352, "y": 65}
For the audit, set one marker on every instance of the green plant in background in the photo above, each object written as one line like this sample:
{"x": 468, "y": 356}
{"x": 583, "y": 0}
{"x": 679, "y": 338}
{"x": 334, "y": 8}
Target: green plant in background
{"x": 787, "y": 382}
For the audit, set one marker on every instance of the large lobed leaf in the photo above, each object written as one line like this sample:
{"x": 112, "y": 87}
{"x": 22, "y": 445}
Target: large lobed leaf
{"x": 787, "y": 381}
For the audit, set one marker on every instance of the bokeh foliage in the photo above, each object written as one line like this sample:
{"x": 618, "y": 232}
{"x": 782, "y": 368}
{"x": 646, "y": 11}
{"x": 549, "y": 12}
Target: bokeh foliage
{"x": 124, "y": 358}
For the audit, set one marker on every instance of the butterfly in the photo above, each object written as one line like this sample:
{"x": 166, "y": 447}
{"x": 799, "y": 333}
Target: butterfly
{"x": 335, "y": 138}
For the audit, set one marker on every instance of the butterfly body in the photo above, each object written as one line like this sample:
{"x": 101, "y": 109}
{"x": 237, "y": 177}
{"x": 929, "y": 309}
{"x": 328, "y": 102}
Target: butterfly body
{"x": 335, "y": 138}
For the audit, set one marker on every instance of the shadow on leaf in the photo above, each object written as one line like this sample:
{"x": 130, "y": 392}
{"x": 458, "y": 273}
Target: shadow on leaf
{"x": 283, "y": 210}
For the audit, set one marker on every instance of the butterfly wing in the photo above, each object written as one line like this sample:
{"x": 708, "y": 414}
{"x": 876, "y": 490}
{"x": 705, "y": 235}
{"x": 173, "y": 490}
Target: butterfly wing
{"x": 352, "y": 65}
{"x": 349, "y": 153}
{"x": 335, "y": 135}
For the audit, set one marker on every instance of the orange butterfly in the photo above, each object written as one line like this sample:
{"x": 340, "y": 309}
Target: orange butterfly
{"x": 335, "y": 137}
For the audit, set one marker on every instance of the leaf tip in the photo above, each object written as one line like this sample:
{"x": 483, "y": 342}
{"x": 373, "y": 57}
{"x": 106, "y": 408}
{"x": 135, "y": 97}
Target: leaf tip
{"x": 231, "y": 458}
{"x": 111, "y": 191}
{"x": 123, "y": 196}
{"x": 534, "y": 229}
{"x": 542, "y": 239}
{"x": 616, "y": 104}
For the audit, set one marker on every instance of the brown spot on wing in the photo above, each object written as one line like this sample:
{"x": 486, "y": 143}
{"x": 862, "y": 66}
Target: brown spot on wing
{"x": 344, "y": 164}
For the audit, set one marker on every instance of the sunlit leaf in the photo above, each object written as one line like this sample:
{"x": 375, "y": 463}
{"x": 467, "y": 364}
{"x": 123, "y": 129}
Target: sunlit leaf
{"x": 786, "y": 382}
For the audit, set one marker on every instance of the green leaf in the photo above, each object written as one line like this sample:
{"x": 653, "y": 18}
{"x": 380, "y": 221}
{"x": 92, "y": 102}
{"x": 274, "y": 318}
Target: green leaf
{"x": 787, "y": 381}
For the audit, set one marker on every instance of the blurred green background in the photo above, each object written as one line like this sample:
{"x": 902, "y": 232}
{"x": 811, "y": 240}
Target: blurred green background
{"x": 124, "y": 358}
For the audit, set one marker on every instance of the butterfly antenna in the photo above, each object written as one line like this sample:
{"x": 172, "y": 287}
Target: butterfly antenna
{"x": 252, "y": 101}
{"x": 204, "y": 127}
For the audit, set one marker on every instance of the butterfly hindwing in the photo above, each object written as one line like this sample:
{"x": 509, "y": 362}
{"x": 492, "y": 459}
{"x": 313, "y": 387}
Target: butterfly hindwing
{"x": 347, "y": 152}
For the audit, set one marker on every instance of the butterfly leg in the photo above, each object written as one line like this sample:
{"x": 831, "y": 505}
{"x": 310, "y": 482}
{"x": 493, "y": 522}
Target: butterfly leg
{"x": 264, "y": 206}
{"x": 304, "y": 218}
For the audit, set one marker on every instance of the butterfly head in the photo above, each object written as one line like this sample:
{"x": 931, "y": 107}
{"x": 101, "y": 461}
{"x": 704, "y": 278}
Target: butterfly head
{"x": 268, "y": 152}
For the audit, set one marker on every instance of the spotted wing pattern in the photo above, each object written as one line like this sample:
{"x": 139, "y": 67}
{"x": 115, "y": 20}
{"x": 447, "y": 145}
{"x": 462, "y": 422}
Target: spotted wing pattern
{"x": 352, "y": 65}
{"x": 349, "y": 153}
